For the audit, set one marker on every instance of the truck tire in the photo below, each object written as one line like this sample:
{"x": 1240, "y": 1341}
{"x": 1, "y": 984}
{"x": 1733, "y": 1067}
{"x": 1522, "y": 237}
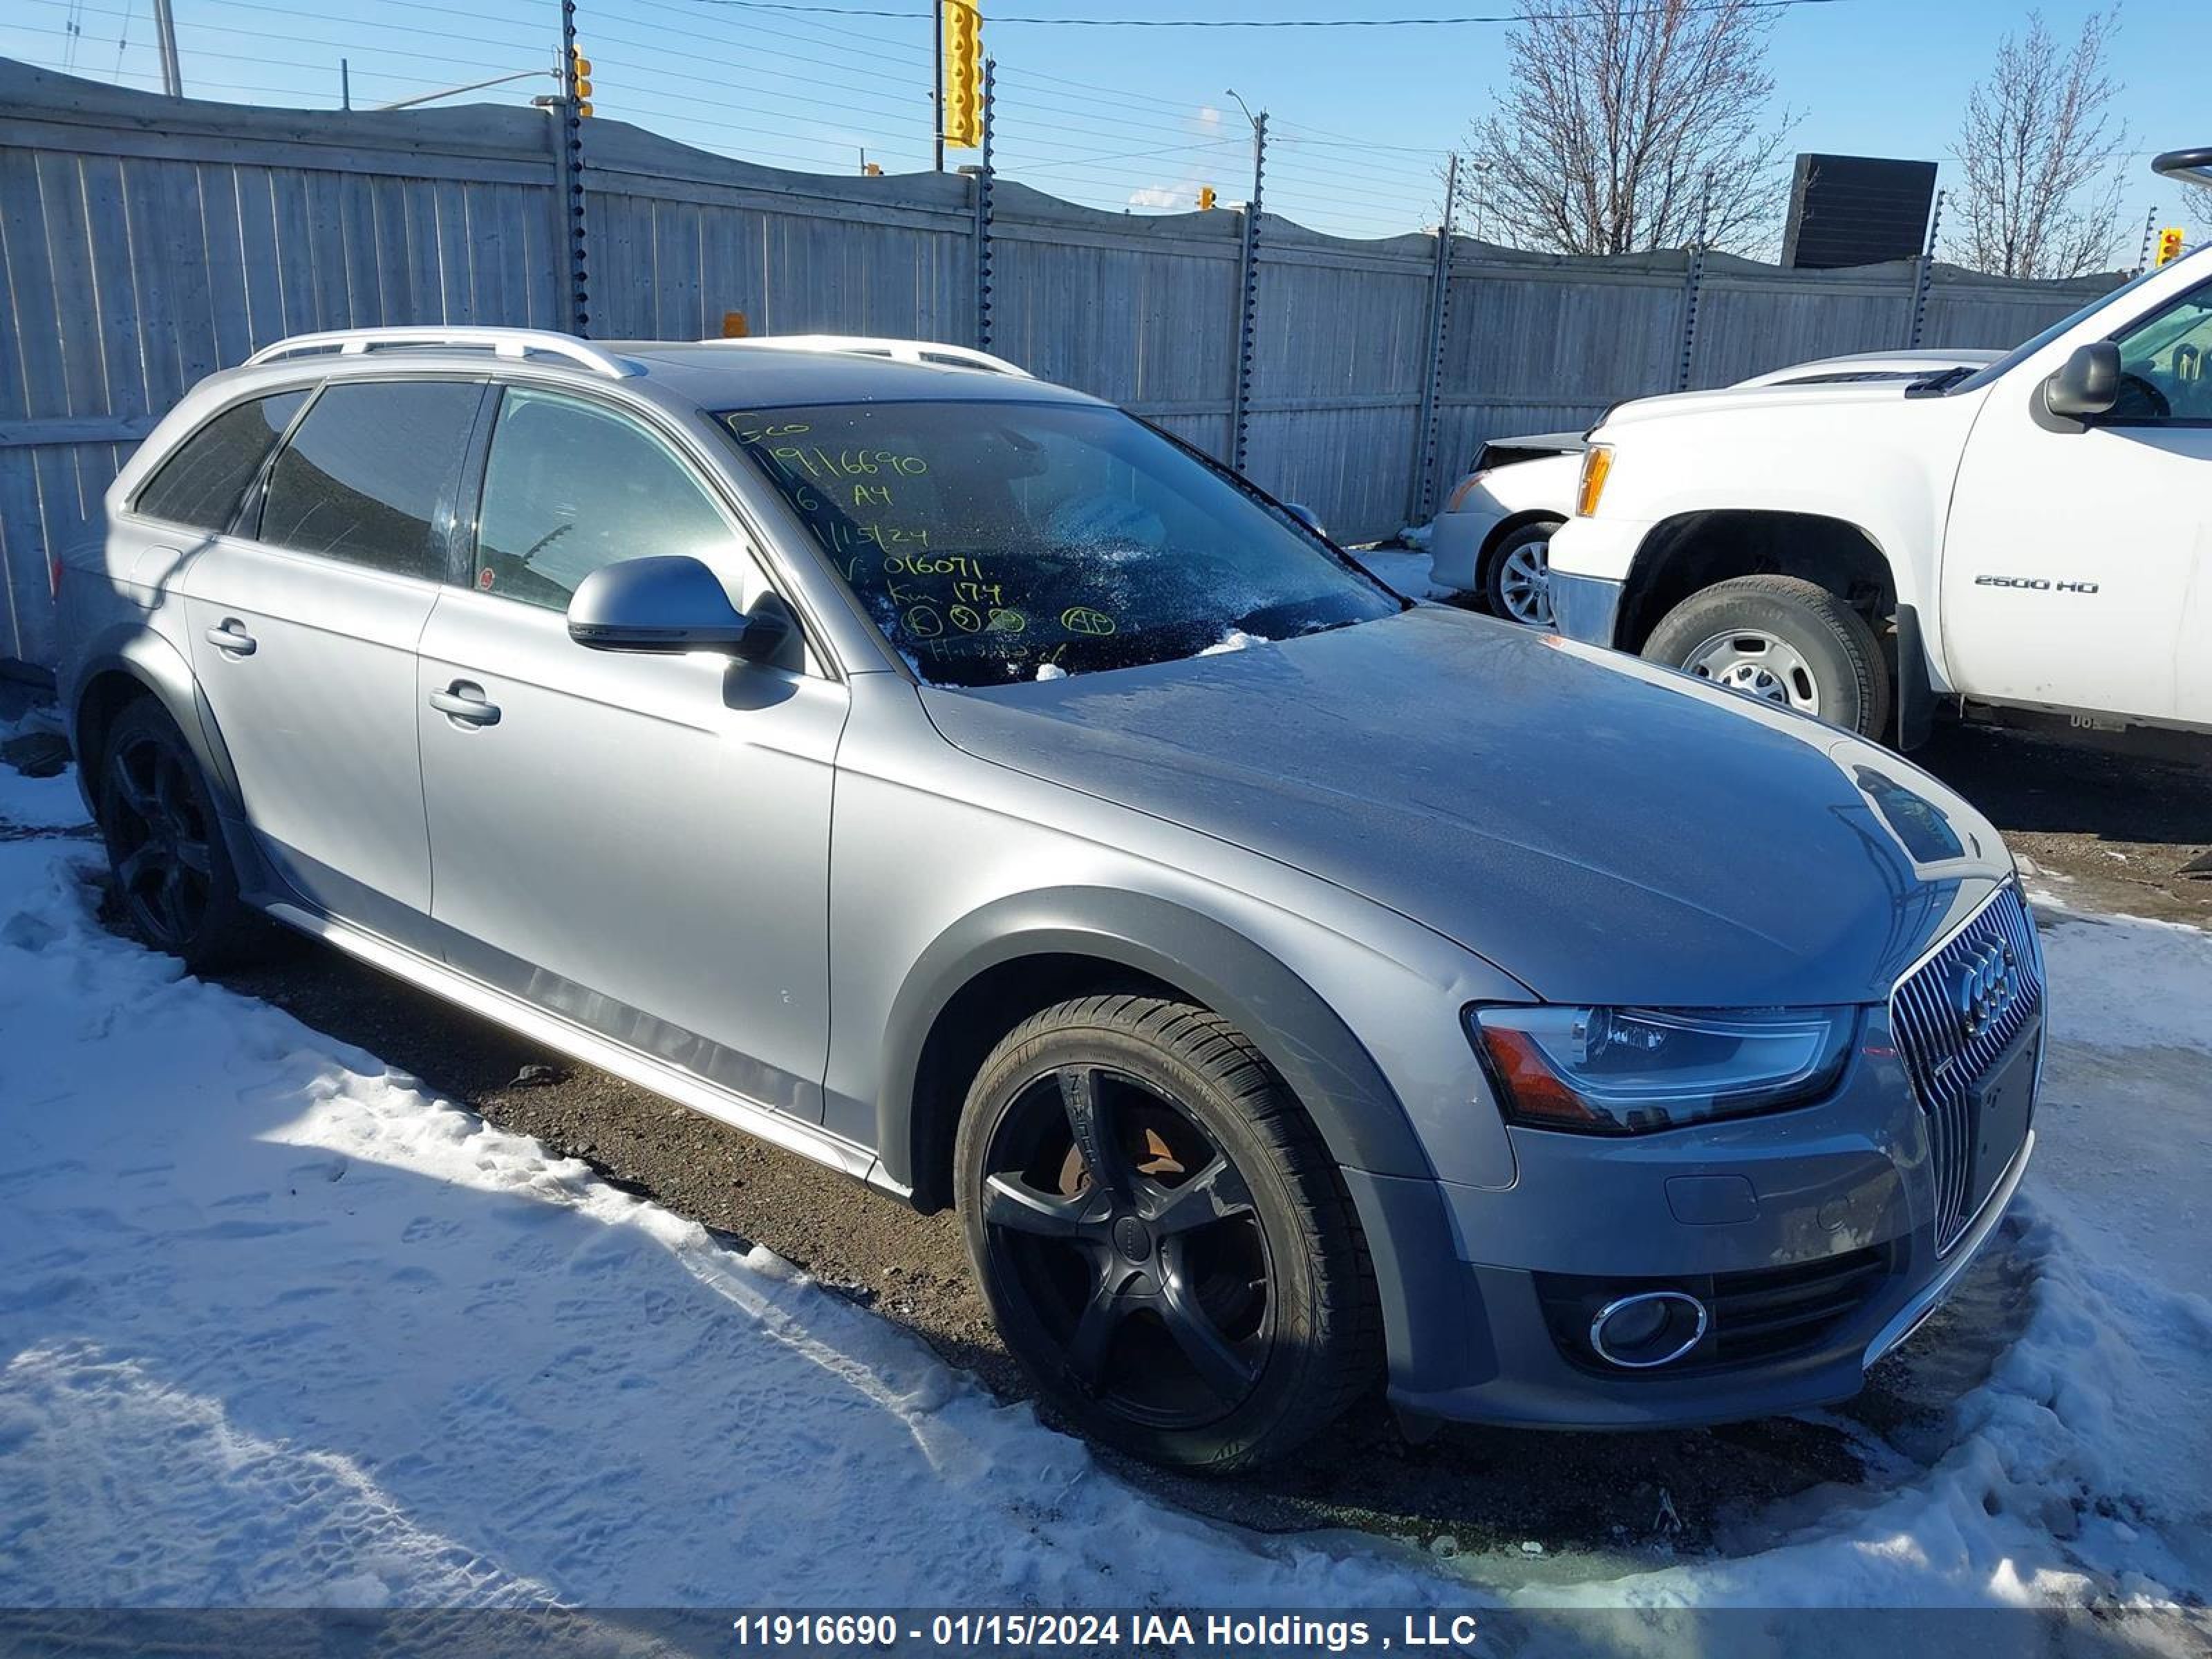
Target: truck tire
{"x": 1163, "y": 1240}
{"x": 1784, "y": 640}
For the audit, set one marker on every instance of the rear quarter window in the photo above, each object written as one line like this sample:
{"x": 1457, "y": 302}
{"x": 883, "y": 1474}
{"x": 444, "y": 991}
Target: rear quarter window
{"x": 201, "y": 482}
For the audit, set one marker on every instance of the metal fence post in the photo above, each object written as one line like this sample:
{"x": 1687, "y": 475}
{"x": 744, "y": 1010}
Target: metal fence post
{"x": 1923, "y": 276}
{"x": 1424, "y": 442}
{"x": 983, "y": 217}
{"x": 568, "y": 140}
{"x": 1693, "y": 279}
{"x": 1248, "y": 298}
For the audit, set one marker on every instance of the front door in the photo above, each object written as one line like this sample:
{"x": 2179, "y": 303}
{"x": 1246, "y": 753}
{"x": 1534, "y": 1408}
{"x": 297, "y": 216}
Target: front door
{"x": 2078, "y": 564}
{"x": 303, "y": 629}
{"x": 638, "y": 843}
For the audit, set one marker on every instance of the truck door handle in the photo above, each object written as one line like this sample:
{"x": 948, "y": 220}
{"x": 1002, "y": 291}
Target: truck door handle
{"x": 231, "y": 636}
{"x": 464, "y": 700}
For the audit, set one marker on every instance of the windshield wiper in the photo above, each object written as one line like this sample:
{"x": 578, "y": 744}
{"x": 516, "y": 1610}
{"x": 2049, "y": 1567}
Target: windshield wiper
{"x": 1936, "y": 384}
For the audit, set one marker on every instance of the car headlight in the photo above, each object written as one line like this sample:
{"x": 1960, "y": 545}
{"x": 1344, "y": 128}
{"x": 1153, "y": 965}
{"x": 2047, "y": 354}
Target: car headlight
{"x": 1632, "y": 1070}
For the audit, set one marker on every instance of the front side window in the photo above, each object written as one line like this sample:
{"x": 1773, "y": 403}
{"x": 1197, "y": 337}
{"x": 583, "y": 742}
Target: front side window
{"x": 201, "y": 484}
{"x": 362, "y": 479}
{"x": 1020, "y": 540}
{"x": 2164, "y": 372}
{"x": 571, "y": 487}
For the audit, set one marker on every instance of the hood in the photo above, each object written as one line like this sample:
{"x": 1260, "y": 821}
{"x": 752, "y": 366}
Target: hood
{"x": 1739, "y": 399}
{"x": 1602, "y": 830}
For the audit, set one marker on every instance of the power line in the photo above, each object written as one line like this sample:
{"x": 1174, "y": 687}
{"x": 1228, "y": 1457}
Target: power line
{"x": 1467, "y": 20}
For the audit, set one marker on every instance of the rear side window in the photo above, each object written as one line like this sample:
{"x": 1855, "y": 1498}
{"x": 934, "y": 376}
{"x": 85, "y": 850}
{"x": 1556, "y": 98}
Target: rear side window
{"x": 570, "y": 488}
{"x": 361, "y": 478}
{"x": 200, "y": 484}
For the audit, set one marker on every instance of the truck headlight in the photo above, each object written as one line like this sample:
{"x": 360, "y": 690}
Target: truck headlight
{"x": 1597, "y": 467}
{"x": 1632, "y": 1070}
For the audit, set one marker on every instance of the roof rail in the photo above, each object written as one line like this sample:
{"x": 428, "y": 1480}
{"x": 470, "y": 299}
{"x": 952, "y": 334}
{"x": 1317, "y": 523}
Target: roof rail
{"x": 863, "y": 345}
{"x": 515, "y": 343}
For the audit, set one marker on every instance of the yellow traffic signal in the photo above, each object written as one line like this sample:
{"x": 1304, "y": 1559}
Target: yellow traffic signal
{"x": 2169, "y": 245}
{"x": 580, "y": 80}
{"x": 963, "y": 26}
{"x": 1206, "y": 197}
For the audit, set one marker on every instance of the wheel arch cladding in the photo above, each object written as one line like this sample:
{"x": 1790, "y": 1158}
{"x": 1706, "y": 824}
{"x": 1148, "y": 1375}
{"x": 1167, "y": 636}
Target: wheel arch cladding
{"x": 132, "y": 664}
{"x": 1042, "y": 948}
{"x": 999, "y": 964}
{"x": 1690, "y": 551}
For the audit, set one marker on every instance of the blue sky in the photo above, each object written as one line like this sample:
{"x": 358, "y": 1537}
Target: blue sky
{"x": 1115, "y": 118}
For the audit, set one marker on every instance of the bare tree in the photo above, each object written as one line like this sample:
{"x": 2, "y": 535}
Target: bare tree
{"x": 1630, "y": 124}
{"x": 2041, "y": 153}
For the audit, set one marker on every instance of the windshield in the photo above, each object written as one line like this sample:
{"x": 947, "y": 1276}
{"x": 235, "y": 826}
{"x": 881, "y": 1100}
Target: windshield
{"x": 2027, "y": 349}
{"x": 999, "y": 541}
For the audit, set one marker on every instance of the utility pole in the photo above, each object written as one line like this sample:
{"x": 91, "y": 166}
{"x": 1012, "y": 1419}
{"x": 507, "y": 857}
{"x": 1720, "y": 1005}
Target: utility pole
{"x": 937, "y": 85}
{"x": 2150, "y": 236}
{"x": 165, "y": 36}
{"x": 984, "y": 179}
{"x": 345, "y": 84}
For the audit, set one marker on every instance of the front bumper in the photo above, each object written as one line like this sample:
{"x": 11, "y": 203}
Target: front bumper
{"x": 1456, "y": 543}
{"x": 1759, "y": 1213}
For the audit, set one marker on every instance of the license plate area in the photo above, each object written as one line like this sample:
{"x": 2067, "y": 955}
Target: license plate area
{"x": 2004, "y": 1104}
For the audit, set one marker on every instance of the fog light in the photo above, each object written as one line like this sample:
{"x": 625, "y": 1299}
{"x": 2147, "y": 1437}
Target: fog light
{"x": 1653, "y": 1328}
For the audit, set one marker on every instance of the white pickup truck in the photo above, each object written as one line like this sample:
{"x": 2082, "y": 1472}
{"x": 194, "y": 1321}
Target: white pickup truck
{"x": 2032, "y": 535}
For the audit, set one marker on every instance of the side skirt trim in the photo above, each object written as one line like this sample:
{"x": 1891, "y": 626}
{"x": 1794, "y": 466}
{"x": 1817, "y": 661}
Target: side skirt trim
{"x": 778, "y": 1129}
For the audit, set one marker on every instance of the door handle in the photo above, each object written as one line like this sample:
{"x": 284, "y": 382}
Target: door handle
{"x": 464, "y": 700}
{"x": 231, "y": 636}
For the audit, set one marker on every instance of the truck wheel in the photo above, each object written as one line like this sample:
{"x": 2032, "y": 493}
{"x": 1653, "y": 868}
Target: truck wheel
{"x": 1518, "y": 584}
{"x": 172, "y": 870}
{"x": 1784, "y": 640}
{"x": 1163, "y": 1239}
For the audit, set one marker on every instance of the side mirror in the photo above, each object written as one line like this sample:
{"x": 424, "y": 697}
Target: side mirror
{"x": 2086, "y": 385}
{"x": 669, "y": 604}
{"x": 1306, "y": 516}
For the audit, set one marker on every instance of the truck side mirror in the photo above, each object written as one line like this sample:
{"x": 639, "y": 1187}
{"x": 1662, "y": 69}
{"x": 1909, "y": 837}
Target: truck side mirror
{"x": 2086, "y": 385}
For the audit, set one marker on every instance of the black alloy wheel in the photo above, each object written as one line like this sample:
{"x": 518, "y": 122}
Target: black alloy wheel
{"x": 172, "y": 871}
{"x": 1163, "y": 1241}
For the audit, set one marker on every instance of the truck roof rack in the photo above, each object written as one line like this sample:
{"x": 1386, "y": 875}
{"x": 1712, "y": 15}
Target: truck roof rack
{"x": 514, "y": 342}
{"x": 2190, "y": 166}
{"x": 864, "y": 345}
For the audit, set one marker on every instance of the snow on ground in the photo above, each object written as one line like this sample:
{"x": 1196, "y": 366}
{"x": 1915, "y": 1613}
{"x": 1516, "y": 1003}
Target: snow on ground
{"x": 276, "y": 1326}
{"x": 1403, "y": 571}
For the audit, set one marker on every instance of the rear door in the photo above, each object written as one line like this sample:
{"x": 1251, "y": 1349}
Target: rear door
{"x": 638, "y": 843}
{"x": 303, "y": 627}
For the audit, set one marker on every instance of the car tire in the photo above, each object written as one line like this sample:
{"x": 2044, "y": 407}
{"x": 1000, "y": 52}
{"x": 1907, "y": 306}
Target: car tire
{"x": 1506, "y": 582}
{"x": 1210, "y": 1305}
{"x": 1784, "y": 640}
{"x": 172, "y": 873}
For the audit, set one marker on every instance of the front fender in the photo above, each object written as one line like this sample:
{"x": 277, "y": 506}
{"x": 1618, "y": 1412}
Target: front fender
{"x": 1342, "y": 1088}
{"x": 1407, "y": 1228}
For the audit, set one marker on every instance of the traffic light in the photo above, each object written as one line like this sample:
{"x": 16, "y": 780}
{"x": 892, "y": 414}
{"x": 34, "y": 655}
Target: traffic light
{"x": 2169, "y": 245}
{"x": 1206, "y": 198}
{"x": 963, "y": 26}
{"x": 580, "y": 80}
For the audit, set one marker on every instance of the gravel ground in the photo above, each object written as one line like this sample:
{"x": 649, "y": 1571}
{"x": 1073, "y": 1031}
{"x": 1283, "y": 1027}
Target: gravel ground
{"x": 2108, "y": 833}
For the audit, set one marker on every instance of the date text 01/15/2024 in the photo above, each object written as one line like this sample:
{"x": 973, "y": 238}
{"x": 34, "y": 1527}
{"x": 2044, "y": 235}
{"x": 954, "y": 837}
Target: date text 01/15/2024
{"x": 1096, "y": 1631}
